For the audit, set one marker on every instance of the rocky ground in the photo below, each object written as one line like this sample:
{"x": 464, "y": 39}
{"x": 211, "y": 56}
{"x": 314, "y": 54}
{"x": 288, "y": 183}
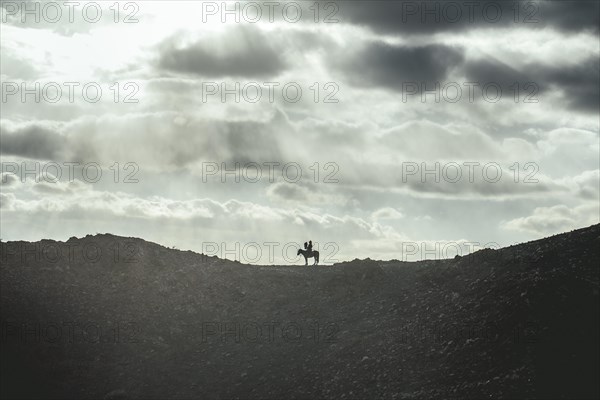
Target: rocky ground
{"x": 119, "y": 318}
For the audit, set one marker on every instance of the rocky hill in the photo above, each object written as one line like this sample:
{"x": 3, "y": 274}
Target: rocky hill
{"x": 120, "y": 318}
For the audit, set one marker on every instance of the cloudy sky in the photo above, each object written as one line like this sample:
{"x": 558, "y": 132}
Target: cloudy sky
{"x": 367, "y": 127}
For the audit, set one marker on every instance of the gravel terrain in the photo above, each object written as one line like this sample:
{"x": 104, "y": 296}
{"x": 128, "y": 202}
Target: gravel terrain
{"x": 121, "y": 318}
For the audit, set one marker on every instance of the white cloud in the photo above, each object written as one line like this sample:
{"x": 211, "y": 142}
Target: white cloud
{"x": 556, "y": 219}
{"x": 387, "y": 213}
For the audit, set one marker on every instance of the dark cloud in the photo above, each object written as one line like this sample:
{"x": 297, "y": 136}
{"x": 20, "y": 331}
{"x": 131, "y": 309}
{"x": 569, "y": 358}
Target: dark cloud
{"x": 571, "y": 15}
{"x": 427, "y": 17}
{"x": 32, "y": 141}
{"x": 464, "y": 189}
{"x": 493, "y": 70}
{"x": 219, "y": 141}
{"x": 491, "y": 73}
{"x": 246, "y": 53}
{"x": 389, "y": 66}
{"x": 169, "y": 142}
{"x": 232, "y": 142}
{"x": 288, "y": 192}
{"x": 412, "y": 17}
{"x": 580, "y": 83}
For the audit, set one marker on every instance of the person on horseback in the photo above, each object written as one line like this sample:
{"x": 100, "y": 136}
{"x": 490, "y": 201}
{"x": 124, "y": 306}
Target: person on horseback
{"x": 309, "y": 253}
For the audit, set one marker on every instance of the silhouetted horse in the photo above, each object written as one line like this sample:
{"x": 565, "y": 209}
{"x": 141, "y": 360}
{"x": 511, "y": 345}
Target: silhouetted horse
{"x": 309, "y": 254}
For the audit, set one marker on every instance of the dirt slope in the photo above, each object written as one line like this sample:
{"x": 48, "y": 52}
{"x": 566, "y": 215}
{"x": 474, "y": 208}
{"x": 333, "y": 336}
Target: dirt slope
{"x": 126, "y": 318}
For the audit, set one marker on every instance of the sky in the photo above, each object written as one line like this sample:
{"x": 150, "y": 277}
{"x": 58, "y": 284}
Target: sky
{"x": 381, "y": 129}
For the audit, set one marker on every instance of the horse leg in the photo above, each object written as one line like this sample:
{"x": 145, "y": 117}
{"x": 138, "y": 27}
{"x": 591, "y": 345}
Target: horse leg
{"x": 305, "y": 260}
